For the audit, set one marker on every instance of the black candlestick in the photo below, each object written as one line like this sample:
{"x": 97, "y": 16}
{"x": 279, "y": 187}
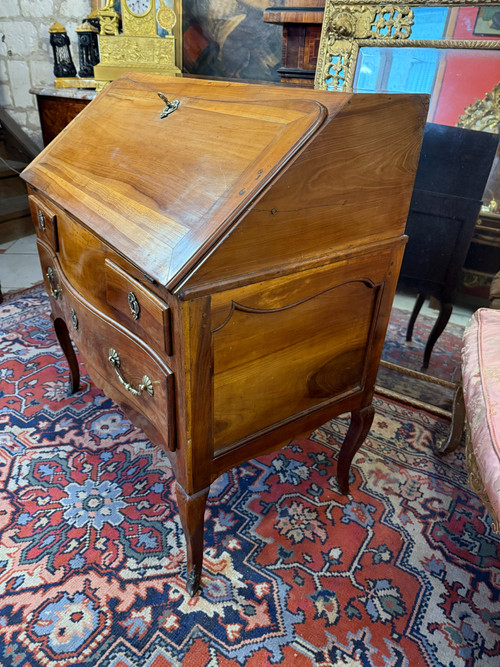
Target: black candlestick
{"x": 88, "y": 49}
{"x": 63, "y": 62}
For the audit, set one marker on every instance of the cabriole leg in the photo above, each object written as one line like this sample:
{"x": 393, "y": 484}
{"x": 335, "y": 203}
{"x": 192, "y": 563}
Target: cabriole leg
{"x": 445, "y": 309}
{"x": 414, "y": 314}
{"x": 67, "y": 347}
{"x": 192, "y": 513}
{"x": 457, "y": 425}
{"x": 361, "y": 421}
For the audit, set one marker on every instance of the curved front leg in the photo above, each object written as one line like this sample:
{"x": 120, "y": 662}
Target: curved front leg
{"x": 414, "y": 314}
{"x": 192, "y": 514}
{"x": 67, "y": 347}
{"x": 361, "y": 421}
{"x": 445, "y": 308}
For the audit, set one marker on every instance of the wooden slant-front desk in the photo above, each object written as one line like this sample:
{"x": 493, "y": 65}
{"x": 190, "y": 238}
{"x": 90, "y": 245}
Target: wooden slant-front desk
{"x": 227, "y": 270}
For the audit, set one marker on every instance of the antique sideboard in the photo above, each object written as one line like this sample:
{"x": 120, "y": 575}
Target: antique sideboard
{"x": 225, "y": 262}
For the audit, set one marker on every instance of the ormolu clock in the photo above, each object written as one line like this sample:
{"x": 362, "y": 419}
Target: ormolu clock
{"x": 138, "y": 17}
{"x": 138, "y": 47}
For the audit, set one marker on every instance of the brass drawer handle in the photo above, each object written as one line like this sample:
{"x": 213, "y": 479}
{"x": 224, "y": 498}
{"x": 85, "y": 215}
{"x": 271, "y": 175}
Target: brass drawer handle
{"x": 146, "y": 384}
{"x": 74, "y": 319}
{"x": 41, "y": 221}
{"x": 55, "y": 290}
{"x": 134, "y": 306}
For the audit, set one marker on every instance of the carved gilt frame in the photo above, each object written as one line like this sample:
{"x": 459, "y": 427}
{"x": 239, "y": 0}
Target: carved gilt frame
{"x": 349, "y": 25}
{"x": 483, "y": 114}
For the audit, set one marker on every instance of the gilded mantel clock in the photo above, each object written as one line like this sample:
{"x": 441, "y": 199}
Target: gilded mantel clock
{"x": 138, "y": 47}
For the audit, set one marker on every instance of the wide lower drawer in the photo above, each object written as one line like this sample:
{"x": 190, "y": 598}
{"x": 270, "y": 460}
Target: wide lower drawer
{"x": 119, "y": 362}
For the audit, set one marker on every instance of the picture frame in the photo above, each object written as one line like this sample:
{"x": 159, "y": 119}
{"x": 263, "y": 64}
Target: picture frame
{"x": 487, "y": 22}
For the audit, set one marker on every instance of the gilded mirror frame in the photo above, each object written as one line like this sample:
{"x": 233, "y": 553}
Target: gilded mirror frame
{"x": 352, "y": 24}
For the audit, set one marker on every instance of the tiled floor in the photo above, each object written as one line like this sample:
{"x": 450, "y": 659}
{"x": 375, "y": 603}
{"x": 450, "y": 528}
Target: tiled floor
{"x": 19, "y": 268}
{"x": 19, "y": 264}
{"x": 460, "y": 314}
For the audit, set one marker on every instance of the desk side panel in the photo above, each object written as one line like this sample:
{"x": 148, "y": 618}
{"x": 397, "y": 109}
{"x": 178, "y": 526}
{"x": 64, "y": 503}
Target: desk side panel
{"x": 286, "y": 348}
{"x": 350, "y": 186}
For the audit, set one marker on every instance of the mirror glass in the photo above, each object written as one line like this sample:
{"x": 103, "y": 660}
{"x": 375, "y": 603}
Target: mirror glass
{"x": 455, "y": 78}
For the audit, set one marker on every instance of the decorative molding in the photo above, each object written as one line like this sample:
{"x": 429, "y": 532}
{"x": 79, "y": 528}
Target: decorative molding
{"x": 476, "y": 44}
{"x": 483, "y": 114}
{"x": 352, "y": 24}
{"x": 235, "y": 306}
{"x": 428, "y": 3}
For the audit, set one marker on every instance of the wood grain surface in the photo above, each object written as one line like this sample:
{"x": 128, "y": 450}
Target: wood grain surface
{"x": 257, "y": 232}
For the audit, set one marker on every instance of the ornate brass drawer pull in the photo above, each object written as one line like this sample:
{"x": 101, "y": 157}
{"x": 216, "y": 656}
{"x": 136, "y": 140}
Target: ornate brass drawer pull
{"x": 146, "y": 384}
{"x": 41, "y": 221}
{"x": 134, "y": 306}
{"x": 74, "y": 318}
{"x": 55, "y": 289}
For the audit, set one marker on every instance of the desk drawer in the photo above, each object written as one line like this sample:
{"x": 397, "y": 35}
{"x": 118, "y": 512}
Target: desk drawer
{"x": 119, "y": 362}
{"x": 45, "y": 221}
{"x": 137, "y": 308}
{"x": 131, "y": 372}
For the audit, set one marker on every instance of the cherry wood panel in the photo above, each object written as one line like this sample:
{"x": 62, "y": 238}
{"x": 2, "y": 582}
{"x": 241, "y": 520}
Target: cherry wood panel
{"x": 346, "y": 189}
{"x": 210, "y": 139}
{"x": 148, "y": 317}
{"x": 295, "y": 341}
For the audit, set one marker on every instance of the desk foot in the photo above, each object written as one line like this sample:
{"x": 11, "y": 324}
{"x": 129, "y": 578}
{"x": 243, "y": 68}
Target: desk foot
{"x": 64, "y": 340}
{"x": 192, "y": 514}
{"x": 361, "y": 421}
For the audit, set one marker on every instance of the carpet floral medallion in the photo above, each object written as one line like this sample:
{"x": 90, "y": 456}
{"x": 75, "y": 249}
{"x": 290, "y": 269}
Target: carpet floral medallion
{"x": 403, "y": 572}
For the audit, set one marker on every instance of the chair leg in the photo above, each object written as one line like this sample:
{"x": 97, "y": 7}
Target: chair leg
{"x": 414, "y": 314}
{"x": 192, "y": 514}
{"x": 457, "y": 425}
{"x": 64, "y": 340}
{"x": 361, "y": 421}
{"x": 445, "y": 309}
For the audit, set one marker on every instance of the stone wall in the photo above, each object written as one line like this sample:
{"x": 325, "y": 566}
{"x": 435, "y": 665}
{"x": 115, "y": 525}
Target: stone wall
{"x": 26, "y": 55}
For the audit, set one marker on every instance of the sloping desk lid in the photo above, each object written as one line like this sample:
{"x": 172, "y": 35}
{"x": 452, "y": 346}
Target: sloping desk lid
{"x": 164, "y": 190}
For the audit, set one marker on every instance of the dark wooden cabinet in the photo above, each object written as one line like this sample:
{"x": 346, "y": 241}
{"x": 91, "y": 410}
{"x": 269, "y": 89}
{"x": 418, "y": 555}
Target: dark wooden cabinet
{"x": 451, "y": 177}
{"x": 301, "y": 23}
{"x": 227, "y": 270}
{"x": 56, "y": 112}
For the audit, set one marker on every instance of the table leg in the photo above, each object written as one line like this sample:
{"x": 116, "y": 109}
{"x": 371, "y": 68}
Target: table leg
{"x": 445, "y": 309}
{"x": 457, "y": 426}
{"x": 361, "y": 421}
{"x": 192, "y": 514}
{"x": 419, "y": 302}
{"x": 64, "y": 340}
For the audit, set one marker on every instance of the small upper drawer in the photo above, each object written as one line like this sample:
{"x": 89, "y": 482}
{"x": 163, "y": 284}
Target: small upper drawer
{"x": 45, "y": 221}
{"x": 141, "y": 311}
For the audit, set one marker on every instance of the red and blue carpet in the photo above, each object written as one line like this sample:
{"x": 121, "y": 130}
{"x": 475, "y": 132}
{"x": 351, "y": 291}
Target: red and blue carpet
{"x": 405, "y": 571}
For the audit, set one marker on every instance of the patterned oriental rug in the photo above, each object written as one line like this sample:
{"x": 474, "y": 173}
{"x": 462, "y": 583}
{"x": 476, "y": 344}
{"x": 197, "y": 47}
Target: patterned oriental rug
{"x": 405, "y": 571}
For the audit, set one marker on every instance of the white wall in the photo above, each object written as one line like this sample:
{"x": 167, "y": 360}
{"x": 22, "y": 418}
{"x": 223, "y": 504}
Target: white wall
{"x": 26, "y": 55}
